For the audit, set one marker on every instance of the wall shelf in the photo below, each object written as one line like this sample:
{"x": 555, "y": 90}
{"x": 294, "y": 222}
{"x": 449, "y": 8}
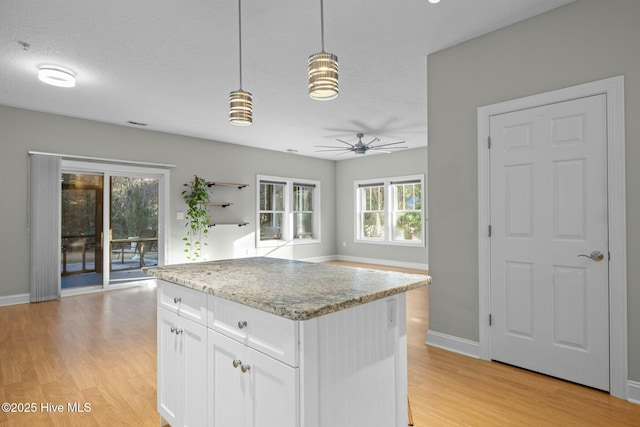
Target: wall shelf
{"x": 239, "y": 224}
{"x": 226, "y": 184}
{"x": 223, "y": 204}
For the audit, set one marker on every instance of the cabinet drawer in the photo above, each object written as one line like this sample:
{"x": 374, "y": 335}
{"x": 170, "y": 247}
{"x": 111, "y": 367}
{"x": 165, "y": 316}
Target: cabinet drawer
{"x": 272, "y": 335}
{"x": 185, "y": 302}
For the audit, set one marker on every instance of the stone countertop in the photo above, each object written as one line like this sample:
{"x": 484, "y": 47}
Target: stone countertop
{"x": 296, "y": 290}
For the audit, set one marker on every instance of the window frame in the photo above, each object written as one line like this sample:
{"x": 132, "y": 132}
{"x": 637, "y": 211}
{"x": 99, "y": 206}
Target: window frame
{"x": 287, "y": 228}
{"x": 389, "y": 208}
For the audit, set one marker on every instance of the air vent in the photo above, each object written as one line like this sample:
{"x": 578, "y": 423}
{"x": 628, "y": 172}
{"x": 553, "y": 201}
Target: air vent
{"x": 137, "y": 123}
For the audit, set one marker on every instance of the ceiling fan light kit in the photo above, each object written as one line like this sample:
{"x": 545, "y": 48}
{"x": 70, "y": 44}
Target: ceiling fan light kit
{"x": 323, "y": 70}
{"x": 240, "y": 101}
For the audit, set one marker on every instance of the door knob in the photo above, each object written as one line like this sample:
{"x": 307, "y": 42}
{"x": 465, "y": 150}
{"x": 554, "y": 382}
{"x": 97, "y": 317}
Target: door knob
{"x": 596, "y": 256}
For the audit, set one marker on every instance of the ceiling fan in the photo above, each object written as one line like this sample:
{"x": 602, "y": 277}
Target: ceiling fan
{"x": 362, "y": 147}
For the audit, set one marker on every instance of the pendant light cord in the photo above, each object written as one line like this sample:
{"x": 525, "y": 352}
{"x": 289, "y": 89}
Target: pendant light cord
{"x": 322, "y": 24}
{"x": 240, "y": 40}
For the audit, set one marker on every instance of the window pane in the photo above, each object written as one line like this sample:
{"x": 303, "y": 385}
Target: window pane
{"x": 270, "y": 226}
{"x": 303, "y": 225}
{"x": 373, "y": 224}
{"x": 408, "y": 197}
{"x": 271, "y": 197}
{"x": 302, "y": 198}
{"x": 407, "y": 226}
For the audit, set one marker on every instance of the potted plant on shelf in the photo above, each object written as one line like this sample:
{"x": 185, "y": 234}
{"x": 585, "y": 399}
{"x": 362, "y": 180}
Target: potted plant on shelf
{"x": 197, "y": 198}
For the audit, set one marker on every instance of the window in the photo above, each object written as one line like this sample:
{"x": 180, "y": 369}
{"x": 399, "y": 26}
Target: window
{"x": 389, "y": 211}
{"x": 288, "y": 211}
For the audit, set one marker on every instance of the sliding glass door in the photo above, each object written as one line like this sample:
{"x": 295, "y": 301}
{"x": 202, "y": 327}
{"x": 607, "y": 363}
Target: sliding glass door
{"x": 112, "y": 224}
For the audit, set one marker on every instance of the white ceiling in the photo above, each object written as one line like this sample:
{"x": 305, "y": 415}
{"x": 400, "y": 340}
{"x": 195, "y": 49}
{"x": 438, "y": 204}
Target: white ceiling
{"x": 172, "y": 63}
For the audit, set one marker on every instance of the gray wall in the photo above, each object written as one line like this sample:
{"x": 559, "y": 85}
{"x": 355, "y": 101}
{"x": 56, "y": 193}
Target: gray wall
{"x": 24, "y": 130}
{"x": 405, "y": 162}
{"x": 582, "y": 42}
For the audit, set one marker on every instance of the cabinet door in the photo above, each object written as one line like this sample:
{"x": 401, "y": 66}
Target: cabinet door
{"x": 273, "y": 399}
{"x": 170, "y": 367}
{"x": 226, "y": 384}
{"x": 194, "y": 354}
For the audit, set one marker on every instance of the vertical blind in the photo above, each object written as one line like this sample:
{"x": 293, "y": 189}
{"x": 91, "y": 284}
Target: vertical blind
{"x": 44, "y": 222}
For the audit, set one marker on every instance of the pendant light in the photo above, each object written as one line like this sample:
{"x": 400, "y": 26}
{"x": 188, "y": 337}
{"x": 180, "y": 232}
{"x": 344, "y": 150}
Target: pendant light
{"x": 240, "y": 102}
{"x": 323, "y": 70}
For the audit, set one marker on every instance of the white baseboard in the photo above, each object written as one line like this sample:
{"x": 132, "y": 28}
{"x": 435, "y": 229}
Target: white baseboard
{"x": 14, "y": 299}
{"x": 391, "y": 263}
{"x": 633, "y": 393}
{"x": 321, "y": 258}
{"x": 455, "y": 344}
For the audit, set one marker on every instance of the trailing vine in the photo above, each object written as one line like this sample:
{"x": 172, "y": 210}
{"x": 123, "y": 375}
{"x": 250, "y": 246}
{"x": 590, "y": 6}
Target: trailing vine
{"x": 197, "y": 198}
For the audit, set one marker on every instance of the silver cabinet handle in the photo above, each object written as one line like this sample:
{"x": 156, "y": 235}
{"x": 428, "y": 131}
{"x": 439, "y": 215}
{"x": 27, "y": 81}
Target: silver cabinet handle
{"x": 237, "y": 363}
{"x": 176, "y": 331}
{"x": 173, "y": 329}
{"x": 242, "y": 324}
{"x": 245, "y": 368}
{"x": 596, "y": 256}
{"x": 177, "y": 300}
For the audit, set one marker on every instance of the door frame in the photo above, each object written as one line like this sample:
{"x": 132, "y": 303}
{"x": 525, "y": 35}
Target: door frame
{"x": 613, "y": 89}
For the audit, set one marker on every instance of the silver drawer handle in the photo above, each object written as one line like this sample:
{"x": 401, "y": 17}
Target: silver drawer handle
{"x": 177, "y": 300}
{"x": 245, "y": 368}
{"x": 237, "y": 363}
{"x": 242, "y": 324}
{"x": 173, "y": 329}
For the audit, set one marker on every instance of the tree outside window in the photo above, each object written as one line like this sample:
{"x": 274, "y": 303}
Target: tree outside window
{"x": 407, "y": 214}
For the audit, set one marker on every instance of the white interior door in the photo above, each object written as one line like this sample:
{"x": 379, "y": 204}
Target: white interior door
{"x": 548, "y": 190}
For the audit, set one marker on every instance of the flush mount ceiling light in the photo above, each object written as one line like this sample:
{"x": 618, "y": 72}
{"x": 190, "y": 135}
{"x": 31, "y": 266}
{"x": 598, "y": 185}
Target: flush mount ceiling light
{"x": 323, "y": 70}
{"x": 56, "y": 76}
{"x": 240, "y": 102}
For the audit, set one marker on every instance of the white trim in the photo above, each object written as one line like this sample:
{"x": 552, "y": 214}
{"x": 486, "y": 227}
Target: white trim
{"x": 390, "y": 263}
{"x": 613, "y": 88}
{"x": 634, "y": 392}
{"x": 14, "y": 299}
{"x": 320, "y": 258}
{"x": 103, "y": 160}
{"x": 455, "y": 344}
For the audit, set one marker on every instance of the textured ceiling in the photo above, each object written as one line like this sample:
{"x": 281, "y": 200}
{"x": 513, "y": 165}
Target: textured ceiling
{"x": 171, "y": 64}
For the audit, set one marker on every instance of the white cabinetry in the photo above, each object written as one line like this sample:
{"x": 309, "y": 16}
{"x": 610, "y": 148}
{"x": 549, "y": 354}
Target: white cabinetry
{"x": 225, "y": 364}
{"x": 182, "y": 356}
{"x": 248, "y": 388}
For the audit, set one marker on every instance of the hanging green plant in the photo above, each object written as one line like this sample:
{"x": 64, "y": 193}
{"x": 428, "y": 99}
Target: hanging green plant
{"x": 197, "y": 198}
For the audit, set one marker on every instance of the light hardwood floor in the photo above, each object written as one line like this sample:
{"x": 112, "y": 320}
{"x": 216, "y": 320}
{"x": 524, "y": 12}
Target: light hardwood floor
{"x": 101, "y": 349}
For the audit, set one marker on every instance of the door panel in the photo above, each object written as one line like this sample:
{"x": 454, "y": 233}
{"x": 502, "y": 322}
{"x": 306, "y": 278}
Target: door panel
{"x": 548, "y": 205}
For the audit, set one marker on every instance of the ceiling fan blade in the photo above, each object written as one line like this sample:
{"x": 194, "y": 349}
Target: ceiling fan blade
{"x": 372, "y": 140}
{"x": 390, "y": 143}
{"x": 330, "y": 146}
{"x": 344, "y": 142}
{"x": 334, "y": 149}
{"x": 387, "y": 148}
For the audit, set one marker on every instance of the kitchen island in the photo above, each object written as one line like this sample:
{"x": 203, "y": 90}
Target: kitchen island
{"x": 272, "y": 342}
